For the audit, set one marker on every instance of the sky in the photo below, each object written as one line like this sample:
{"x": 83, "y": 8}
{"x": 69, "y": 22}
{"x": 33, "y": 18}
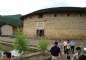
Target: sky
{"x": 23, "y": 7}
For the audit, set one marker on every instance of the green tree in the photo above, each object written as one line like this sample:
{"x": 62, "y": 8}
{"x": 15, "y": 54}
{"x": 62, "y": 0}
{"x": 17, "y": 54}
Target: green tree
{"x": 20, "y": 42}
{"x": 43, "y": 44}
{"x": 11, "y": 20}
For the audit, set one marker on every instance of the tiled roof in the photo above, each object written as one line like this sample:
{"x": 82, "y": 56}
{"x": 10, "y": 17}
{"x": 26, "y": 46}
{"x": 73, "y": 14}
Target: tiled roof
{"x": 56, "y": 9}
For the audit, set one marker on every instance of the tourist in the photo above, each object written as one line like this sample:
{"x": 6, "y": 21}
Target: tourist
{"x": 6, "y": 56}
{"x": 55, "y": 52}
{"x": 72, "y": 44}
{"x": 68, "y": 49}
{"x": 60, "y": 44}
{"x": 77, "y": 54}
{"x": 65, "y": 44}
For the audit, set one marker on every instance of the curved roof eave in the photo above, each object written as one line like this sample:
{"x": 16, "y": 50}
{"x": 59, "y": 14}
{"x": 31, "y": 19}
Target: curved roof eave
{"x": 56, "y": 9}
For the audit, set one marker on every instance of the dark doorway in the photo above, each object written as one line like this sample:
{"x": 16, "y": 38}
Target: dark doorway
{"x": 40, "y": 33}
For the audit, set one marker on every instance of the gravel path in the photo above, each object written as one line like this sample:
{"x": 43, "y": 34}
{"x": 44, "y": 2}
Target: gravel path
{"x": 34, "y": 42}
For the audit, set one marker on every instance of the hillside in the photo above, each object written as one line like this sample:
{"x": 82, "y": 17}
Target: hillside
{"x": 13, "y": 20}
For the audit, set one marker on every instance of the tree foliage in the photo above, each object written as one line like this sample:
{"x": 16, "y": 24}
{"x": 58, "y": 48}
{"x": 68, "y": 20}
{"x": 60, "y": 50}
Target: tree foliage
{"x": 13, "y": 20}
{"x": 20, "y": 42}
{"x": 43, "y": 44}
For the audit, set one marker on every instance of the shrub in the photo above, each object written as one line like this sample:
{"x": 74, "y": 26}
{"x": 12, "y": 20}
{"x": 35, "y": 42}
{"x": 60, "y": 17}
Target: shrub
{"x": 1, "y": 50}
{"x": 1, "y": 47}
{"x": 20, "y": 42}
{"x": 43, "y": 44}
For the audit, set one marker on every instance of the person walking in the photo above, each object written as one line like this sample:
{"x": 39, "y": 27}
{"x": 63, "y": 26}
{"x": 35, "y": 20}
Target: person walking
{"x": 68, "y": 50}
{"x": 72, "y": 44}
{"x": 65, "y": 45}
{"x": 55, "y": 52}
{"x": 60, "y": 44}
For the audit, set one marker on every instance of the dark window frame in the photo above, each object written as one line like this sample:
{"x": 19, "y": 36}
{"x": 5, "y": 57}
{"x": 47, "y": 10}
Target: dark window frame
{"x": 80, "y": 14}
{"x": 30, "y": 17}
{"x": 68, "y": 14}
{"x": 55, "y": 15}
{"x": 40, "y": 15}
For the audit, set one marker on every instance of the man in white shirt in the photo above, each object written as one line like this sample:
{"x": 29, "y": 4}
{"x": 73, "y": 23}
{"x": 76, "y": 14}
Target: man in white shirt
{"x": 65, "y": 45}
{"x": 77, "y": 54}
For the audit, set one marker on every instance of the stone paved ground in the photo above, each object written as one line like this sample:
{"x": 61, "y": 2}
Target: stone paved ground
{"x": 81, "y": 43}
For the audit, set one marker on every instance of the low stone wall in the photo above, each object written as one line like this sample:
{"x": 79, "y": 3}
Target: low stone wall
{"x": 33, "y": 56}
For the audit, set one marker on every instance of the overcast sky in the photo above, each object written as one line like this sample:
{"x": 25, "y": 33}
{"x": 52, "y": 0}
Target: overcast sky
{"x": 11, "y": 7}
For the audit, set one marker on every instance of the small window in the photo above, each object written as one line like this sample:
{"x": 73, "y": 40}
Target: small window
{"x": 30, "y": 17}
{"x": 68, "y": 14}
{"x": 40, "y": 15}
{"x": 80, "y": 15}
{"x": 55, "y": 15}
{"x": 50, "y": 15}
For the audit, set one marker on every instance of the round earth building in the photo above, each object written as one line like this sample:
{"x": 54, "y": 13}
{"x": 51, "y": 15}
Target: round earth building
{"x": 58, "y": 22}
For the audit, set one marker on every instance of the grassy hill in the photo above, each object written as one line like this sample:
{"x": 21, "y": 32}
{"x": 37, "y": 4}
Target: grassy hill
{"x": 13, "y": 20}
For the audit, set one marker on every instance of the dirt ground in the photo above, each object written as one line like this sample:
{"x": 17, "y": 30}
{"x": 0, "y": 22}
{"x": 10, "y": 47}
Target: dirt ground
{"x": 79, "y": 43}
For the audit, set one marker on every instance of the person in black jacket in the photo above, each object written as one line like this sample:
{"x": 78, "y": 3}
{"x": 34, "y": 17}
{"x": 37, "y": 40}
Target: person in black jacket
{"x": 55, "y": 52}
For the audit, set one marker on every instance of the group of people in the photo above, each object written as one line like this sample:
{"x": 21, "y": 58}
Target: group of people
{"x": 68, "y": 46}
{"x": 56, "y": 51}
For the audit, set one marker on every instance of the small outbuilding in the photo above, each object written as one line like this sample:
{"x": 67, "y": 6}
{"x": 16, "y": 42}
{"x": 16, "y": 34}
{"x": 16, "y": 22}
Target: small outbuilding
{"x": 7, "y": 30}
